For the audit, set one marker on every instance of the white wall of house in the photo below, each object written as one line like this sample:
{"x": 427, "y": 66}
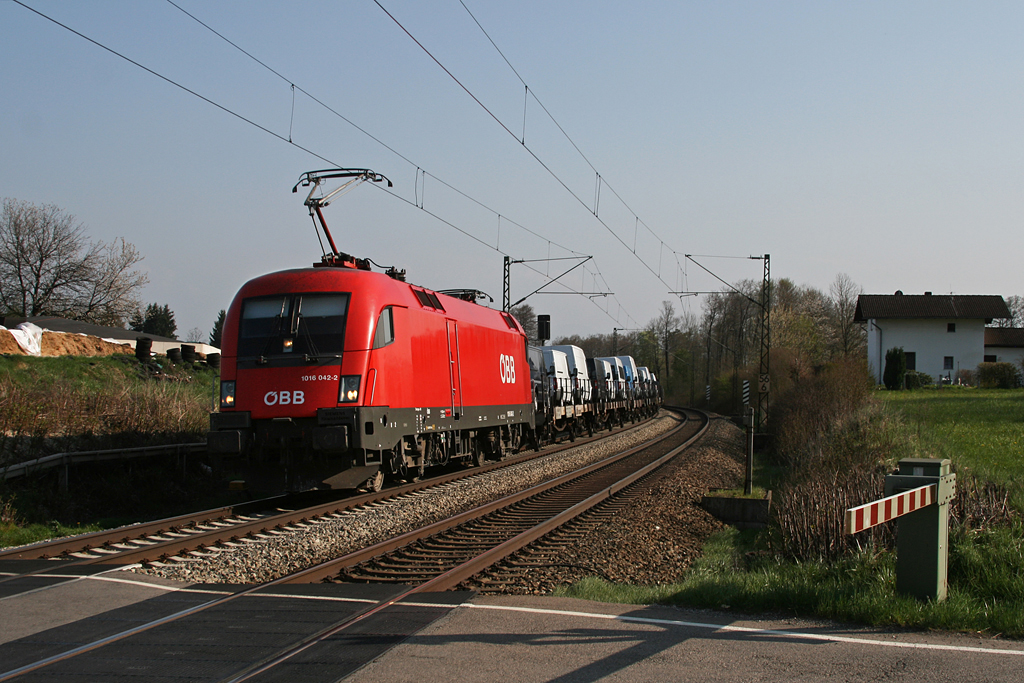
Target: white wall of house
{"x": 1005, "y": 354}
{"x": 930, "y": 342}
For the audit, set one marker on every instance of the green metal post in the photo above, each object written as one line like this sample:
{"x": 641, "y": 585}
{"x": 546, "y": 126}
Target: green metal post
{"x": 922, "y": 545}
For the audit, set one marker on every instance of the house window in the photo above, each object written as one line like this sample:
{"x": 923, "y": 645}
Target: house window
{"x": 950, "y": 327}
{"x": 990, "y": 359}
{"x": 947, "y": 363}
{"x": 911, "y": 360}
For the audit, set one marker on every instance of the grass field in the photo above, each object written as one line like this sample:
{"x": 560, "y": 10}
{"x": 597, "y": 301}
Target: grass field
{"x": 982, "y": 432}
{"x": 978, "y": 429}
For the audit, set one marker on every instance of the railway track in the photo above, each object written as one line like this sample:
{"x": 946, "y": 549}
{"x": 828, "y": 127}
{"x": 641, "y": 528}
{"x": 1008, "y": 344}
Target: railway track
{"x": 443, "y": 555}
{"x": 222, "y": 529}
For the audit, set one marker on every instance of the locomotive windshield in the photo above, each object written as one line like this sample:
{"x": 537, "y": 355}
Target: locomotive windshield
{"x": 306, "y": 325}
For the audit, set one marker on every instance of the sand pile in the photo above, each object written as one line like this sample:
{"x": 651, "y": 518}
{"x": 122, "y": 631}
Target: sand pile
{"x": 62, "y": 344}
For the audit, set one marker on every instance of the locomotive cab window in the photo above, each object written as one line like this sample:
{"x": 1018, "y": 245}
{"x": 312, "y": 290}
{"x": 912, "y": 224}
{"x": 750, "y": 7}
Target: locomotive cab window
{"x": 306, "y": 324}
{"x": 385, "y": 333}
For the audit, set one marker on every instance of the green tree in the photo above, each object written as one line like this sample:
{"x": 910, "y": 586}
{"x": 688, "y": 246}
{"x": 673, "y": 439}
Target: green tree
{"x": 218, "y": 329}
{"x": 895, "y": 368}
{"x": 156, "y": 319}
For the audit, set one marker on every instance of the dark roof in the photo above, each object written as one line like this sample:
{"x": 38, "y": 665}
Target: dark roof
{"x": 946, "y": 306}
{"x": 78, "y": 327}
{"x": 1009, "y": 337}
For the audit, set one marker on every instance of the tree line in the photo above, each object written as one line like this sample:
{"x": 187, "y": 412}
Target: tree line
{"x": 720, "y": 346}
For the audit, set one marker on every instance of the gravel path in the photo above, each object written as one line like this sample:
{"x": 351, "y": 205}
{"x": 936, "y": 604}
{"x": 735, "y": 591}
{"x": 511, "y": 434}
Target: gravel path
{"x": 290, "y": 551}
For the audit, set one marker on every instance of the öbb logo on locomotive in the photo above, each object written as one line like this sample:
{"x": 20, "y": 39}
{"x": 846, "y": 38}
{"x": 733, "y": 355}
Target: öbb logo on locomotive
{"x": 284, "y": 398}
{"x": 507, "y": 366}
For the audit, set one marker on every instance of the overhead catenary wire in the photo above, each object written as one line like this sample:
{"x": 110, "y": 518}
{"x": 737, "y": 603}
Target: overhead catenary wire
{"x": 599, "y": 178}
{"x": 421, "y": 173}
{"x": 531, "y": 152}
{"x": 290, "y": 141}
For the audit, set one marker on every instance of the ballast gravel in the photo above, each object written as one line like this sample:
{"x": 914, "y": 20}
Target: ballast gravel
{"x": 324, "y": 539}
{"x": 654, "y": 540}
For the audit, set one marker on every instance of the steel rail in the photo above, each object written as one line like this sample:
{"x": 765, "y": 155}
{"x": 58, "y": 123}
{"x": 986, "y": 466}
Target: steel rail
{"x": 327, "y": 569}
{"x": 457, "y": 575}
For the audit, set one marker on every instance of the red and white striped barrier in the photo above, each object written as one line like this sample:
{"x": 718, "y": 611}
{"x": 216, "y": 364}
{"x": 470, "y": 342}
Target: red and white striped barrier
{"x": 881, "y": 511}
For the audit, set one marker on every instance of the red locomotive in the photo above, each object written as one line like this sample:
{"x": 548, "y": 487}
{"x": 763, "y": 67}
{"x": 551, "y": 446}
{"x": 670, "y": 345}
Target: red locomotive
{"x": 358, "y": 373}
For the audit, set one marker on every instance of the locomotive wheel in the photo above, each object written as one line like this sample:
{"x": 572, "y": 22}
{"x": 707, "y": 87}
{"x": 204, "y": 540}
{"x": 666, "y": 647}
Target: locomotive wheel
{"x": 375, "y": 483}
{"x": 397, "y": 464}
{"x": 479, "y": 457}
{"x": 517, "y": 438}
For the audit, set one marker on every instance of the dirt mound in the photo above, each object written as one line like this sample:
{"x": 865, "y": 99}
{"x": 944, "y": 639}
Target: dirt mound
{"x": 8, "y": 345}
{"x": 63, "y": 344}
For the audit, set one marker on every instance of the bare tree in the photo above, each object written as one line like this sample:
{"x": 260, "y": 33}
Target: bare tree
{"x": 1016, "y": 319}
{"x": 48, "y": 267}
{"x": 665, "y": 329}
{"x": 528, "y": 319}
{"x": 849, "y": 337}
{"x": 195, "y": 335}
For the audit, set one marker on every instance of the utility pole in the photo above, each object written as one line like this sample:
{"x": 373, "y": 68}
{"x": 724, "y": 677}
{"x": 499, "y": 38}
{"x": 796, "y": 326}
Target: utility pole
{"x": 763, "y": 375}
{"x": 506, "y": 295}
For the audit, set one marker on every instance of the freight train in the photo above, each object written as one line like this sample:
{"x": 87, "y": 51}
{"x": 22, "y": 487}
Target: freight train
{"x": 342, "y": 372}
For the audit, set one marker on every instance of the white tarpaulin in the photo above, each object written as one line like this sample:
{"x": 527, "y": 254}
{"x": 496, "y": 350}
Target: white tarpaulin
{"x": 29, "y": 337}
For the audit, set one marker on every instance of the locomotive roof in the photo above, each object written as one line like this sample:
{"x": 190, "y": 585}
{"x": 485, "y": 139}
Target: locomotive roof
{"x": 314, "y": 279}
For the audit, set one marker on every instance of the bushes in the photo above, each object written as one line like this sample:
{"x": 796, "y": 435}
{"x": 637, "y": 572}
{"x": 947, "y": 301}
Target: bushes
{"x": 836, "y": 445}
{"x": 805, "y": 416}
{"x": 918, "y": 380}
{"x": 48, "y": 405}
{"x": 998, "y": 376}
{"x": 849, "y": 470}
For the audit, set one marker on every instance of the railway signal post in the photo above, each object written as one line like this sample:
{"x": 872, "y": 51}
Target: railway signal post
{"x": 919, "y": 495}
{"x": 748, "y": 423}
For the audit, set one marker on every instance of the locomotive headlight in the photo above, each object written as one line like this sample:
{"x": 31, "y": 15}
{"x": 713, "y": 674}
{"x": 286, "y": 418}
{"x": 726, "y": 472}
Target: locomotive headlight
{"x": 288, "y": 345}
{"x": 227, "y": 394}
{"x": 348, "y": 392}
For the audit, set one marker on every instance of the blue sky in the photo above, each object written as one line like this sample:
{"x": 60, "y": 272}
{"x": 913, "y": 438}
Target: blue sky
{"x": 878, "y": 139}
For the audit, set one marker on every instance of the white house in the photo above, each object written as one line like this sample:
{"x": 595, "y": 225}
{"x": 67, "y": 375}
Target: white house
{"x": 1004, "y": 345}
{"x": 939, "y": 333}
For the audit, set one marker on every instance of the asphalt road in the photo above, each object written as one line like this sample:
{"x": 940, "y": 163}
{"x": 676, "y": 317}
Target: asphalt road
{"x": 525, "y": 639}
{"x": 518, "y": 639}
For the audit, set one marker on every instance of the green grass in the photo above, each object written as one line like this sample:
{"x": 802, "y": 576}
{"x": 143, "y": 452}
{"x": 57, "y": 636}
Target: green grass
{"x": 756, "y": 493}
{"x": 978, "y": 429}
{"x": 733, "y": 576}
{"x": 12, "y": 534}
{"x": 99, "y": 373}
